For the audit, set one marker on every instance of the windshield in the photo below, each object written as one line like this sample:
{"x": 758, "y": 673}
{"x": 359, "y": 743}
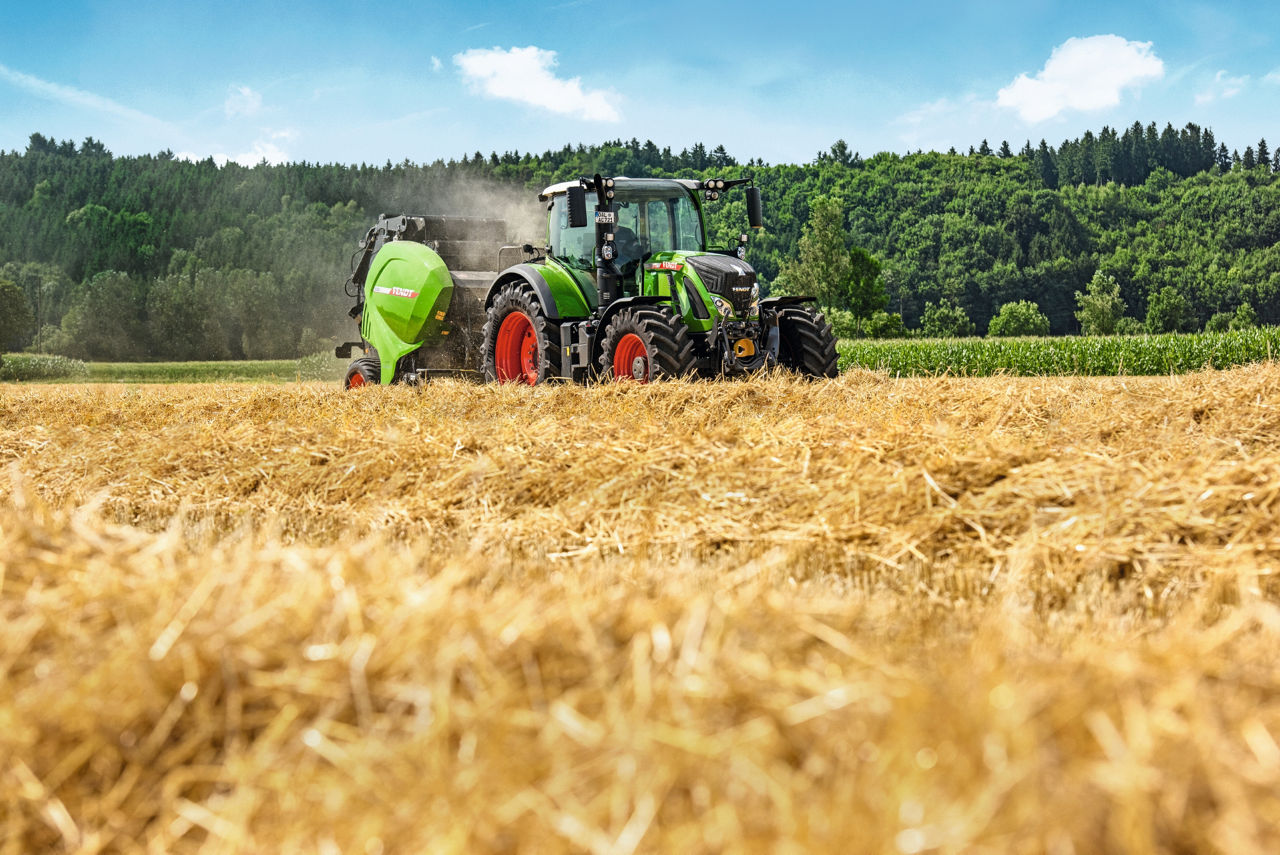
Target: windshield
{"x": 661, "y": 219}
{"x": 650, "y": 219}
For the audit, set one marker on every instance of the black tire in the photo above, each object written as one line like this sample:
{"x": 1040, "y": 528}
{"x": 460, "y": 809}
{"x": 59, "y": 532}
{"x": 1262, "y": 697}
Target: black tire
{"x": 365, "y": 371}
{"x": 653, "y": 340}
{"x": 543, "y": 359}
{"x": 806, "y": 343}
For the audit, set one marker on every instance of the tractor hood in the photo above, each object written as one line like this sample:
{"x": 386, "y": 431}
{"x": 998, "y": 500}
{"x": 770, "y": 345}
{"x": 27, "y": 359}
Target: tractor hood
{"x": 730, "y": 278}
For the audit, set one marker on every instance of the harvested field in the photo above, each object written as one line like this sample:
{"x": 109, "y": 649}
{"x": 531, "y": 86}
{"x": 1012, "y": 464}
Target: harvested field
{"x": 873, "y": 614}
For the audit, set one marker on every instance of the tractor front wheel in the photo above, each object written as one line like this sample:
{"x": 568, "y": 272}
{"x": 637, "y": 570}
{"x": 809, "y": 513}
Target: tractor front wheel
{"x": 806, "y": 343}
{"x": 645, "y": 343}
{"x": 365, "y": 371}
{"x": 521, "y": 345}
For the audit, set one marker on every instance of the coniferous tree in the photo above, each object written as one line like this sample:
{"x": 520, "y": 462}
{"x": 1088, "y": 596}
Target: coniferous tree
{"x": 1046, "y": 167}
{"x": 1224, "y": 160}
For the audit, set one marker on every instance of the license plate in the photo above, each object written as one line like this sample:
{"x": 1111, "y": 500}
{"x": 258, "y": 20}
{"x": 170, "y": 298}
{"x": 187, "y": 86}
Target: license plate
{"x": 606, "y": 218}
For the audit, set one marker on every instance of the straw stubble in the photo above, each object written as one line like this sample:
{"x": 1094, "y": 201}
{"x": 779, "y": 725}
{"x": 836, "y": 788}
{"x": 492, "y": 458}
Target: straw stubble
{"x": 861, "y": 615}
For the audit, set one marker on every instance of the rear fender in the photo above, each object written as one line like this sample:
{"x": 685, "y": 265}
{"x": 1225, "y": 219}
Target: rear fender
{"x": 776, "y": 303}
{"x": 533, "y": 277}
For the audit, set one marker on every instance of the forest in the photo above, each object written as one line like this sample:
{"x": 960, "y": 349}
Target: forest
{"x": 155, "y": 257}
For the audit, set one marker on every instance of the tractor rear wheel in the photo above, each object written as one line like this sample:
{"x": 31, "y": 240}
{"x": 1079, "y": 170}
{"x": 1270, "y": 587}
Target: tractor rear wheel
{"x": 365, "y": 371}
{"x": 521, "y": 345}
{"x": 646, "y": 343}
{"x": 806, "y": 343}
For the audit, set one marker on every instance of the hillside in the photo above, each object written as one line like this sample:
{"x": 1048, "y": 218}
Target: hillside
{"x": 152, "y": 257}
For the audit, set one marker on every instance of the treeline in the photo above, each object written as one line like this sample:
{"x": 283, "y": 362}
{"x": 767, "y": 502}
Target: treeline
{"x": 157, "y": 257}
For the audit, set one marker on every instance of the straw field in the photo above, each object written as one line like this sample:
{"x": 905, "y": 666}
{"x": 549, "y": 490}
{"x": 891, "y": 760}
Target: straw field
{"x": 864, "y": 615}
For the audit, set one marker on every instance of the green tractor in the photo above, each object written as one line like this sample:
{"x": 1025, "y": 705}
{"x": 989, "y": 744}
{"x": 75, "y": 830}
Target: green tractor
{"x": 629, "y": 290}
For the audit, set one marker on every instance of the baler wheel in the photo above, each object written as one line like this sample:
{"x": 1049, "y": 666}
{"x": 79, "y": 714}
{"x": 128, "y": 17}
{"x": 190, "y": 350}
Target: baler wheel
{"x": 365, "y": 371}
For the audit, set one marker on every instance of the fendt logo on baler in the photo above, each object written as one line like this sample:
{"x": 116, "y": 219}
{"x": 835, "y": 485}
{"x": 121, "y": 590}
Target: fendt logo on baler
{"x": 395, "y": 292}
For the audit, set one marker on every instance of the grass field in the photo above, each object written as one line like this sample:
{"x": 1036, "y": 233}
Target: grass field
{"x": 871, "y": 614}
{"x": 318, "y": 367}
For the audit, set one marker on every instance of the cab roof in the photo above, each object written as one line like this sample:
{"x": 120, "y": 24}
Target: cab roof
{"x": 622, "y": 181}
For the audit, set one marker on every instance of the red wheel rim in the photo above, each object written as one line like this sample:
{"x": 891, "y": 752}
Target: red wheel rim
{"x": 355, "y": 381}
{"x": 631, "y": 359}
{"x": 515, "y": 354}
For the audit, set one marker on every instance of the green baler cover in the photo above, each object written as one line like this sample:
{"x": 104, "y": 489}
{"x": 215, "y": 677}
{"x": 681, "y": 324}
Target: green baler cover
{"x": 406, "y": 297}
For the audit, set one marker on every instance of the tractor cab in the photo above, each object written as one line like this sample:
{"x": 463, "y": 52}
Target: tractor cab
{"x": 652, "y": 216}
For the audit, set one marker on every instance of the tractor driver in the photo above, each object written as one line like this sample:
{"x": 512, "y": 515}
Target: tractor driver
{"x": 630, "y": 251}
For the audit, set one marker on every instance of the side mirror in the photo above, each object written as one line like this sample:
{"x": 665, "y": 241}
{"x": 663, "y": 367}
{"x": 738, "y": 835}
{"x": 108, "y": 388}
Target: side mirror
{"x": 577, "y": 207}
{"x": 755, "y": 213}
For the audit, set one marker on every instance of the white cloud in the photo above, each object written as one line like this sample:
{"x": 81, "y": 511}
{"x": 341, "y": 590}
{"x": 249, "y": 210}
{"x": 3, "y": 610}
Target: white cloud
{"x": 1222, "y": 86}
{"x": 526, "y": 75}
{"x": 242, "y": 101}
{"x": 75, "y": 97}
{"x": 1082, "y": 74}
{"x": 260, "y": 151}
{"x": 1273, "y": 77}
{"x": 436, "y": 64}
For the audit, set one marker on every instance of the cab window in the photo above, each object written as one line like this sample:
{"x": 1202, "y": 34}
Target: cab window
{"x": 572, "y": 246}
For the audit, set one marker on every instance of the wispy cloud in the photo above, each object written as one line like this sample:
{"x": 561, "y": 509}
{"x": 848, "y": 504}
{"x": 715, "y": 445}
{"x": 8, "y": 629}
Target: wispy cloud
{"x": 526, "y": 75}
{"x": 938, "y": 124}
{"x": 1222, "y": 86}
{"x": 77, "y": 98}
{"x": 1273, "y": 77}
{"x": 1082, "y": 74}
{"x": 436, "y": 64}
{"x": 242, "y": 101}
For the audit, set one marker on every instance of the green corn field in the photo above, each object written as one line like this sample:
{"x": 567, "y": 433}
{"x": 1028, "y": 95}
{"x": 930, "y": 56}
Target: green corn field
{"x": 1097, "y": 356}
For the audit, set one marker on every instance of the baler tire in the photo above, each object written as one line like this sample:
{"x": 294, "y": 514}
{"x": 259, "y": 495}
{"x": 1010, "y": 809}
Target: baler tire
{"x": 652, "y": 334}
{"x": 806, "y": 342}
{"x": 365, "y": 371}
{"x": 508, "y": 353}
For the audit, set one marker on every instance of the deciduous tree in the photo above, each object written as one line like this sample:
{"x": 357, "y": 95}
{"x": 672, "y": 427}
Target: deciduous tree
{"x": 1101, "y": 306}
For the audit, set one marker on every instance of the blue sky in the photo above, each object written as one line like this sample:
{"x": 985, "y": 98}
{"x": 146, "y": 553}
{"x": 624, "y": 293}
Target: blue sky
{"x": 355, "y": 82}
